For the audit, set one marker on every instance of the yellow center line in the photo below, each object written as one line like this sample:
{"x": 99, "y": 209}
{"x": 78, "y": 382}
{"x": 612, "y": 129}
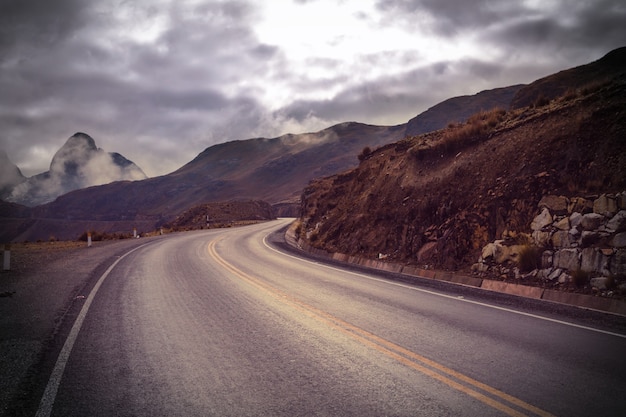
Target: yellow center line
{"x": 409, "y": 358}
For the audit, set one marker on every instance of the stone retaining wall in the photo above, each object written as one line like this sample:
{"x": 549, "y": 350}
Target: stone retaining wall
{"x": 582, "y": 241}
{"x": 585, "y": 301}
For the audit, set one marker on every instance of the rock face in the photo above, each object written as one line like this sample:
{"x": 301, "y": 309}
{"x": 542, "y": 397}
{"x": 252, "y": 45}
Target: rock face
{"x": 591, "y": 244}
{"x": 78, "y": 164}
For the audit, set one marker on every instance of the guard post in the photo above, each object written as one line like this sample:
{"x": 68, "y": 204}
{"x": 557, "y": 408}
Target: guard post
{"x": 6, "y": 265}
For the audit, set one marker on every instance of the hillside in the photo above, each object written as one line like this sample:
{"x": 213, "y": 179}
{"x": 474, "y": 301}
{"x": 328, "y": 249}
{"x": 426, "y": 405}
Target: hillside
{"x": 436, "y": 199}
{"x": 222, "y": 214}
{"x": 458, "y": 109}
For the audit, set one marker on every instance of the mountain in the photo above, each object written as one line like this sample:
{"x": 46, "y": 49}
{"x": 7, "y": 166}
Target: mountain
{"x": 10, "y": 175}
{"x": 273, "y": 170}
{"x": 79, "y": 163}
{"x": 587, "y": 76}
{"x": 436, "y": 199}
{"x": 458, "y": 109}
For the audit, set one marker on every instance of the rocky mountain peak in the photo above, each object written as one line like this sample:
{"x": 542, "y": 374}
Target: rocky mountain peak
{"x": 79, "y": 163}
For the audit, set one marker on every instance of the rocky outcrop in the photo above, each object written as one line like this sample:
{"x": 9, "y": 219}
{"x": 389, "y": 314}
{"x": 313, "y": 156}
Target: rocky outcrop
{"x": 78, "y": 164}
{"x": 574, "y": 241}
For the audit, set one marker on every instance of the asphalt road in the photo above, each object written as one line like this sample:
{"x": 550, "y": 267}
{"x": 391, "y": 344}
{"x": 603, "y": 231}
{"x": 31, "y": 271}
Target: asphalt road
{"x": 222, "y": 323}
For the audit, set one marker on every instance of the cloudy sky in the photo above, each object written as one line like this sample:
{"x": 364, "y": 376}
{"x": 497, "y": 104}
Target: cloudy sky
{"x": 160, "y": 80}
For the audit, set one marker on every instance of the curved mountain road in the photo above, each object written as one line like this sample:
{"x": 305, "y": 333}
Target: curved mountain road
{"x": 223, "y": 323}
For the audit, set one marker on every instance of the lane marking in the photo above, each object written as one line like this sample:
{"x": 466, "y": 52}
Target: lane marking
{"x": 452, "y": 297}
{"x": 50, "y": 393}
{"x": 448, "y": 376}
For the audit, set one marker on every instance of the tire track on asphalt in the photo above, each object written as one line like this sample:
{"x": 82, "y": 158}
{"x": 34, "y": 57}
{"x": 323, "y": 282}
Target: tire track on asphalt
{"x": 482, "y": 392}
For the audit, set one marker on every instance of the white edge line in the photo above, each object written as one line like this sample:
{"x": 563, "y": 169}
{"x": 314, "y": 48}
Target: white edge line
{"x": 398, "y": 284}
{"x": 49, "y": 395}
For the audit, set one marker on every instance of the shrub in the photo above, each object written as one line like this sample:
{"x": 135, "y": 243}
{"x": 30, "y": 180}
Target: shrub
{"x": 456, "y": 137}
{"x": 541, "y": 101}
{"x": 529, "y": 258}
{"x": 579, "y": 277}
{"x": 367, "y": 151}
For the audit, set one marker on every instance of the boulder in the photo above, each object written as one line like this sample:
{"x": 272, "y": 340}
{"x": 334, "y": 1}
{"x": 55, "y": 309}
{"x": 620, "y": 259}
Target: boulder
{"x": 562, "y": 239}
{"x": 542, "y": 220}
{"x": 567, "y": 259}
{"x": 556, "y": 204}
{"x": 580, "y": 205}
{"x": 592, "y": 221}
{"x": 617, "y": 265}
{"x": 546, "y": 259}
{"x": 489, "y": 251}
{"x": 575, "y": 219}
{"x": 605, "y": 205}
{"x": 617, "y": 223}
{"x": 426, "y": 252}
{"x": 599, "y": 282}
{"x": 555, "y": 274}
{"x": 540, "y": 238}
{"x": 621, "y": 200}
{"x": 619, "y": 240}
{"x": 562, "y": 224}
{"x": 592, "y": 238}
{"x": 593, "y": 260}
{"x": 503, "y": 253}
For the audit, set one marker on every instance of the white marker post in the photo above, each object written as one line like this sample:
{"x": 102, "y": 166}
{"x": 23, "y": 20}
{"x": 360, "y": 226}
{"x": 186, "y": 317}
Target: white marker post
{"x": 88, "y": 239}
{"x": 7, "y": 257}
{"x": 135, "y": 232}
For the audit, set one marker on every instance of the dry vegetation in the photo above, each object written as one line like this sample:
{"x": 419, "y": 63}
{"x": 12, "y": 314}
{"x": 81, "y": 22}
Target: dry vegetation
{"x": 436, "y": 199}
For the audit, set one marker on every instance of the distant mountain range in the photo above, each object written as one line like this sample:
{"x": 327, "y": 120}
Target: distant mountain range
{"x": 274, "y": 170}
{"x": 78, "y": 164}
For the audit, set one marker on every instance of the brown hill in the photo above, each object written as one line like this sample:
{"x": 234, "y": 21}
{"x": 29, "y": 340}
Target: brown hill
{"x": 222, "y": 213}
{"x": 274, "y": 170}
{"x": 458, "y": 109}
{"x": 438, "y": 198}
{"x": 603, "y": 70}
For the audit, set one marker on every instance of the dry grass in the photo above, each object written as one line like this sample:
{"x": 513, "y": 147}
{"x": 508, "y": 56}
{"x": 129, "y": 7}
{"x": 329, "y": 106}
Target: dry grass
{"x": 478, "y": 125}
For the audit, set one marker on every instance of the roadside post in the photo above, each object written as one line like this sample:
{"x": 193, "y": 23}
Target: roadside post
{"x": 7, "y": 257}
{"x": 88, "y": 239}
{"x": 134, "y": 232}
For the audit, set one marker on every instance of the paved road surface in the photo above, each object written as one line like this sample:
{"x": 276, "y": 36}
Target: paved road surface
{"x": 221, "y": 323}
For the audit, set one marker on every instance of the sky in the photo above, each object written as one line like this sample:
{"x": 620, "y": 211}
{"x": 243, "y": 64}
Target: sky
{"x": 161, "y": 80}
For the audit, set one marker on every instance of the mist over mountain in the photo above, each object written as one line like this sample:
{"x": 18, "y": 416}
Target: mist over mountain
{"x": 10, "y": 175}
{"x": 79, "y": 163}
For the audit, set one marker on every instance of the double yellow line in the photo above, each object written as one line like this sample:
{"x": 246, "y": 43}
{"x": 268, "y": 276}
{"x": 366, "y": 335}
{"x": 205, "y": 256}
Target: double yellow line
{"x": 476, "y": 389}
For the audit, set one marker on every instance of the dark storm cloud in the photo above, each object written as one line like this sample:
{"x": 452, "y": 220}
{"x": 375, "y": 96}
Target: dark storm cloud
{"x": 39, "y": 22}
{"x": 564, "y": 26}
{"x": 575, "y": 26}
{"x": 414, "y": 89}
{"x": 450, "y": 17}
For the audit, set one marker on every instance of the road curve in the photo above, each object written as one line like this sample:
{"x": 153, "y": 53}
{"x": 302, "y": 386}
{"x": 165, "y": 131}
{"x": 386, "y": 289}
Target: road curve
{"x": 222, "y": 323}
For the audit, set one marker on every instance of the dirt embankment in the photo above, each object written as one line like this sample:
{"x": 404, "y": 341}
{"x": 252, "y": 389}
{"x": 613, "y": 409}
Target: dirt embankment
{"x": 435, "y": 200}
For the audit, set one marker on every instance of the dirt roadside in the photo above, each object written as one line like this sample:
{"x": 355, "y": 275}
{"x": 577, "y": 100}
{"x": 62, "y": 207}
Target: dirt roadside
{"x": 46, "y": 282}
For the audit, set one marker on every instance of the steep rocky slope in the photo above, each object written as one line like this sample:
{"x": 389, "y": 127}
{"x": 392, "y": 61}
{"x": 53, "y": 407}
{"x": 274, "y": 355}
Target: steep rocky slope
{"x": 437, "y": 199}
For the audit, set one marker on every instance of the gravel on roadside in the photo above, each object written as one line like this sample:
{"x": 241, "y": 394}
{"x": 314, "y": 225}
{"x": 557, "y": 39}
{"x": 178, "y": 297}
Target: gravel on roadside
{"x": 44, "y": 282}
